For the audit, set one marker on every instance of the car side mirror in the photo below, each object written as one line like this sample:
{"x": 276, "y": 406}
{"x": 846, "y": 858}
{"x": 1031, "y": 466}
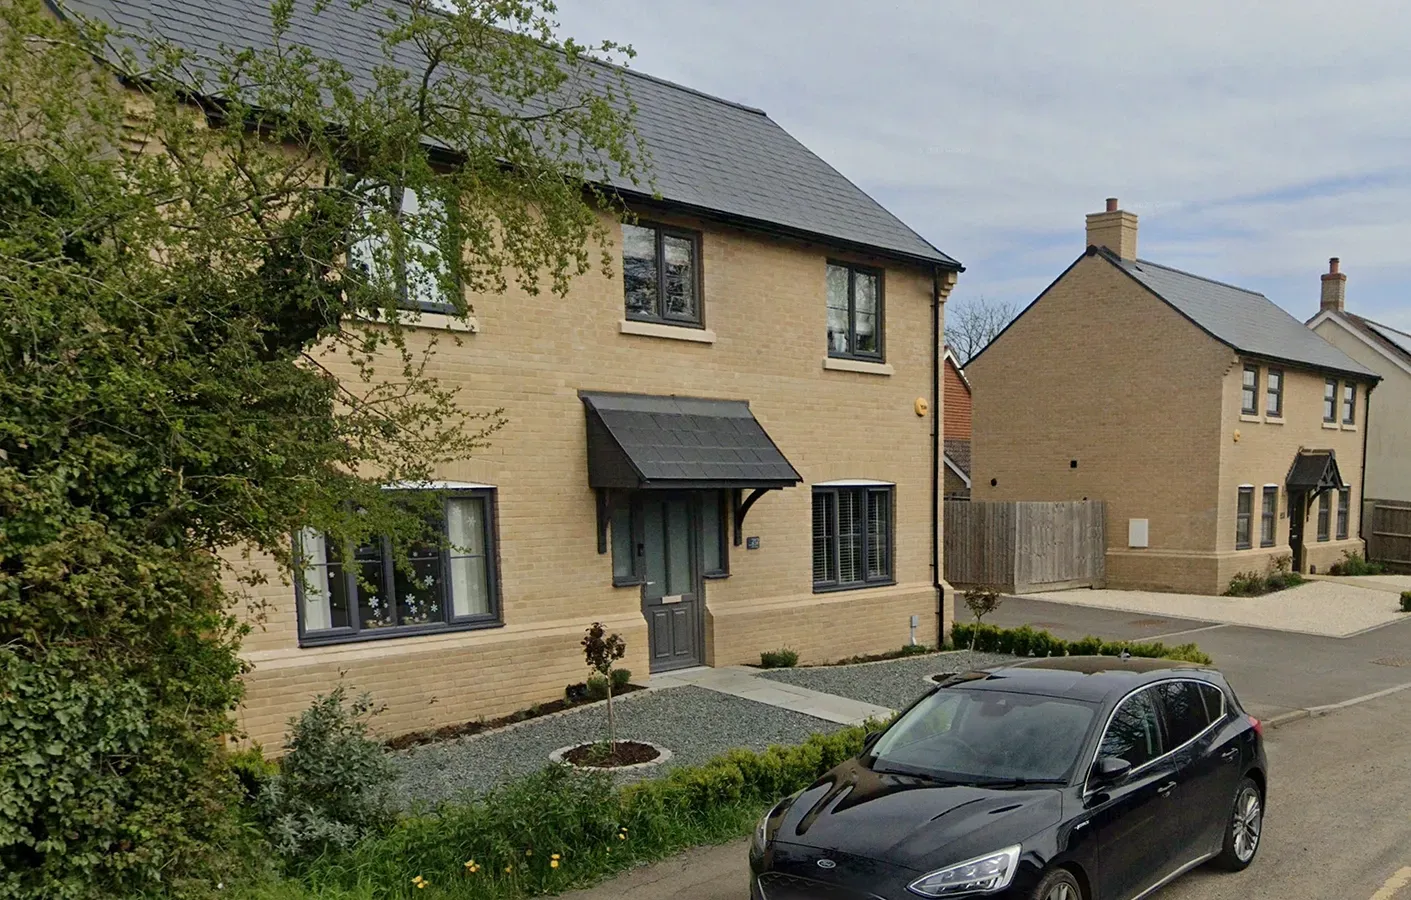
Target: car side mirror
{"x": 1111, "y": 768}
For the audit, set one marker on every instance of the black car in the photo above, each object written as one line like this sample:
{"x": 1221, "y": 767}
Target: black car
{"x": 1074, "y": 778}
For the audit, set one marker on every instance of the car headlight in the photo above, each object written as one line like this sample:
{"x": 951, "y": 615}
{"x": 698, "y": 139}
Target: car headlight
{"x": 981, "y": 875}
{"x": 760, "y": 839}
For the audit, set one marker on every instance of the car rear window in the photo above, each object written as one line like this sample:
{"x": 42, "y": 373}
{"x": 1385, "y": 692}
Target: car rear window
{"x": 1186, "y": 712}
{"x": 976, "y": 735}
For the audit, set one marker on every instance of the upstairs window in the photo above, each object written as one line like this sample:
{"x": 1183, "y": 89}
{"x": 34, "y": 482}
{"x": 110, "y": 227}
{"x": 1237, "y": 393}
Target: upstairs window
{"x": 1330, "y": 400}
{"x": 1349, "y": 404}
{"x": 1249, "y": 393}
{"x": 854, "y": 312}
{"x": 417, "y": 272}
{"x": 661, "y": 274}
{"x": 1244, "y": 514}
{"x": 1274, "y": 393}
{"x": 357, "y": 593}
{"x": 852, "y": 537}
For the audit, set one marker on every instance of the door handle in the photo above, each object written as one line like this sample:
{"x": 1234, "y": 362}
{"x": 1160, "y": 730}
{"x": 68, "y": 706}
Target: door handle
{"x": 1230, "y": 753}
{"x": 1166, "y": 789}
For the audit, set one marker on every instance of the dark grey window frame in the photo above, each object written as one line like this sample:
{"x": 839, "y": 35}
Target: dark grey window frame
{"x": 659, "y": 317}
{"x": 1269, "y": 516}
{"x": 633, "y": 508}
{"x": 1244, "y": 512}
{"x": 830, "y": 585}
{"x": 449, "y": 623}
{"x": 1330, "y": 400}
{"x": 1344, "y": 513}
{"x": 404, "y": 301}
{"x": 1325, "y": 517}
{"x": 1274, "y": 397}
{"x": 1249, "y": 393}
{"x": 1349, "y": 403}
{"x": 853, "y": 269}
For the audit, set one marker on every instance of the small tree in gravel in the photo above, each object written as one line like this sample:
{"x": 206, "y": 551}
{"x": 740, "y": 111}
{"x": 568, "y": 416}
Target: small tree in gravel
{"x": 981, "y": 601}
{"x": 602, "y": 651}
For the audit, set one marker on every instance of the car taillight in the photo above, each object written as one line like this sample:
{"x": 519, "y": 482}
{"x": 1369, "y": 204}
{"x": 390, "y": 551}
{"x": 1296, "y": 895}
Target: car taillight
{"x": 1257, "y": 725}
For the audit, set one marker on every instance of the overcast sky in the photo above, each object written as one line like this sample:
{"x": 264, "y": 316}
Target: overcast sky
{"x": 1254, "y": 140}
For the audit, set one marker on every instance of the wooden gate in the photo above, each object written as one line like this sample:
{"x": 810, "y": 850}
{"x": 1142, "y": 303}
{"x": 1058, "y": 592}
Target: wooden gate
{"x": 1388, "y": 532}
{"x": 1022, "y": 547}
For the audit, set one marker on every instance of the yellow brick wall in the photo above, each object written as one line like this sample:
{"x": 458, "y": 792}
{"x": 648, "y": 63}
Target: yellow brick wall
{"x": 765, "y": 303}
{"x": 1103, "y": 372}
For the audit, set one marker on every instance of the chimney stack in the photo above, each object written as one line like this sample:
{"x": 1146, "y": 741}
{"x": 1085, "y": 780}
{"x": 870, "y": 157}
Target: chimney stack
{"x": 1334, "y": 288}
{"x": 1114, "y": 229}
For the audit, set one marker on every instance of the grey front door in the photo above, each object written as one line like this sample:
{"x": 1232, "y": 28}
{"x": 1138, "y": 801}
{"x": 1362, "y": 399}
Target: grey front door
{"x": 1298, "y": 518}
{"x": 671, "y": 597}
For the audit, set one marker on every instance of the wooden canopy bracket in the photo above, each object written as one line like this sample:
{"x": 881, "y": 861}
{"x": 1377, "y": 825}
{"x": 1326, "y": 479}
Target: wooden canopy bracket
{"x": 742, "y": 508}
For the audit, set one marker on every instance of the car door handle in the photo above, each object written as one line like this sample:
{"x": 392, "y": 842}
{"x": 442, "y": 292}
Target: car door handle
{"x": 1166, "y": 789}
{"x": 1230, "y": 753}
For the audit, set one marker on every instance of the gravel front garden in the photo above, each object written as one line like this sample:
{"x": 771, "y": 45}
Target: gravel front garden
{"x": 695, "y": 724}
{"x": 893, "y": 684}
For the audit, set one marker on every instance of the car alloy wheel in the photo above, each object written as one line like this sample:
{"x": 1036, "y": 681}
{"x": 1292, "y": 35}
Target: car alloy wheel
{"x": 1061, "y": 891}
{"x": 1249, "y": 820}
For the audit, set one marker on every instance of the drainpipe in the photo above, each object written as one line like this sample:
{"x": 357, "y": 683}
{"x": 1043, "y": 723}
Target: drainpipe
{"x": 1362, "y": 489}
{"x": 936, "y": 458}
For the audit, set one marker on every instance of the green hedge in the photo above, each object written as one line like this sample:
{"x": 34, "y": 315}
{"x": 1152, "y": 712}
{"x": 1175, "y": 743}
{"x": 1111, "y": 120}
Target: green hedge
{"x": 513, "y": 834}
{"x": 1026, "y": 641}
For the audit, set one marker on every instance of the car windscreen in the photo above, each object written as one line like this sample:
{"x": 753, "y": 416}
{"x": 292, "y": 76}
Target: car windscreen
{"x": 982, "y": 736}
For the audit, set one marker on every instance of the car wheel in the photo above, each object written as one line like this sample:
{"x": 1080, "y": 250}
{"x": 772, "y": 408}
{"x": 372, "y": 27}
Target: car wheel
{"x": 1058, "y": 884}
{"x": 1242, "y": 831}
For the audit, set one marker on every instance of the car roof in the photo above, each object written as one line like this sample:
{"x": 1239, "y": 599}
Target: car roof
{"x": 1088, "y": 678}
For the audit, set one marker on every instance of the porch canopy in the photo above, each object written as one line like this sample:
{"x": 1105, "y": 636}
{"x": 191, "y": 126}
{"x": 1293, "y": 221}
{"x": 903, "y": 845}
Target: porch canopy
{"x": 1313, "y": 472}
{"x": 640, "y": 441}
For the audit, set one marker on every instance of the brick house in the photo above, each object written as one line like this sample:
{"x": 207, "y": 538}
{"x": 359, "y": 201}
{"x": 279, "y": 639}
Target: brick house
{"x": 1222, "y": 433}
{"x": 1386, "y": 351}
{"x": 730, "y": 444}
{"x": 956, "y": 429}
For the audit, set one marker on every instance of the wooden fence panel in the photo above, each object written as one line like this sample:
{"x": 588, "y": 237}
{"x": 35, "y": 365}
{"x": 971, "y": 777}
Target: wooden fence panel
{"x": 1389, "y": 533}
{"x": 1025, "y": 546}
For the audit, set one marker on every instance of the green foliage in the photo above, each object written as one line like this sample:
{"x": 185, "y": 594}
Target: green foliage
{"x": 512, "y": 834}
{"x": 1354, "y": 564}
{"x": 1406, "y": 601}
{"x": 621, "y": 678}
{"x": 783, "y": 658}
{"x": 252, "y": 770}
{"x": 330, "y": 791}
{"x": 171, "y": 326}
{"x": 1026, "y": 641}
{"x": 1255, "y": 584}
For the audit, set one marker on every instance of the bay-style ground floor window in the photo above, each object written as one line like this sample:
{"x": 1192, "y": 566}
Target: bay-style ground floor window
{"x": 852, "y": 535}
{"x": 361, "y": 593}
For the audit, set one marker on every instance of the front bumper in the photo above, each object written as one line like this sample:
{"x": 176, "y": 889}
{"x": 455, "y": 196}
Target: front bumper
{"x": 792, "y": 872}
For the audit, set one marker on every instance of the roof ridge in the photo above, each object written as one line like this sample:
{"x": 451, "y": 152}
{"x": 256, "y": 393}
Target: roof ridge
{"x": 724, "y": 101}
{"x": 1233, "y": 287}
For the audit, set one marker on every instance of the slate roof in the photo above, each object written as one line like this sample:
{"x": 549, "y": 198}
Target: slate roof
{"x": 643, "y": 441}
{"x": 708, "y": 154}
{"x": 1245, "y": 320}
{"x": 1313, "y": 470}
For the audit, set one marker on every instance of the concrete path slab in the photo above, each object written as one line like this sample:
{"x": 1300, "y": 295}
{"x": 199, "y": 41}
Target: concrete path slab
{"x": 1339, "y": 608}
{"x": 741, "y": 681}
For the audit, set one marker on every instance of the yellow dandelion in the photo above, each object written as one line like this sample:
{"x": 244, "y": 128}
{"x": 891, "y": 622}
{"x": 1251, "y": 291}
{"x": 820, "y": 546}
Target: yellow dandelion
{"x": 422, "y": 884}
{"x": 553, "y": 864}
{"x": 528, "y": 852}
{"x": 418, "y": 880}
{"x": 555, "y": 856}
{"x": 470, "y": 864}
{"x": 509, "y": 869}
{"x": 622, "y": 836}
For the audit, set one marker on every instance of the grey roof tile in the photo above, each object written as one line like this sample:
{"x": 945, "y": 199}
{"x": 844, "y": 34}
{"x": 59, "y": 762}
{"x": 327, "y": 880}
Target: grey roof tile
{"x": 711, "y": 154}
{"x": 1245, "y": 320}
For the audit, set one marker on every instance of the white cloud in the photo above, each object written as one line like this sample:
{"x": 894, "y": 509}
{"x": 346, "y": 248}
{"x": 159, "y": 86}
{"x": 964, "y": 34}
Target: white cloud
{"x": 1255, "y": 140}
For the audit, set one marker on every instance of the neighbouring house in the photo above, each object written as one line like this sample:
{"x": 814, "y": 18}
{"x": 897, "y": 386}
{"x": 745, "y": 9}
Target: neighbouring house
{"x": 1386, "y": 351}
{"x": 1222, "y": 434}
{"x": 728, "y": 445}
{"x": 957, "y": 430}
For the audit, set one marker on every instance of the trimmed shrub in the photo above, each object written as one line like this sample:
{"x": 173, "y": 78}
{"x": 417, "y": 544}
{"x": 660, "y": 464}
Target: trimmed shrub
{"x": 597, "y": 687}
{"x": 330, "y": 792}
{"x": 1406, "y": 601}
{"x": 783, "y": 658}
{"x": 1026, "y": 641}
{"x": 1246, "y": 584}
{"x": 621, "y": 678}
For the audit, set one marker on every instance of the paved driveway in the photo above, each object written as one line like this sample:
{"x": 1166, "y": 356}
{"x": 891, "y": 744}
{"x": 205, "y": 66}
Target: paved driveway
{"x": 1338, "y": 607}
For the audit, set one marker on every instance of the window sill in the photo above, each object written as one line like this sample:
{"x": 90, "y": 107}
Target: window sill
{"x": 1346, "y": 427}
{"x": 716, "y": 576}
{"x": 1273, "y": 420}
{"x": 669, "y": 332}
{"x": 834, "y": 364}
{"x": 1246, "y": 417}
{"x": 1331, "y": 426}
{"x": 863, "y": 586}
{"x": 333, "y": 640}
{"x": 433, "y": 321}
